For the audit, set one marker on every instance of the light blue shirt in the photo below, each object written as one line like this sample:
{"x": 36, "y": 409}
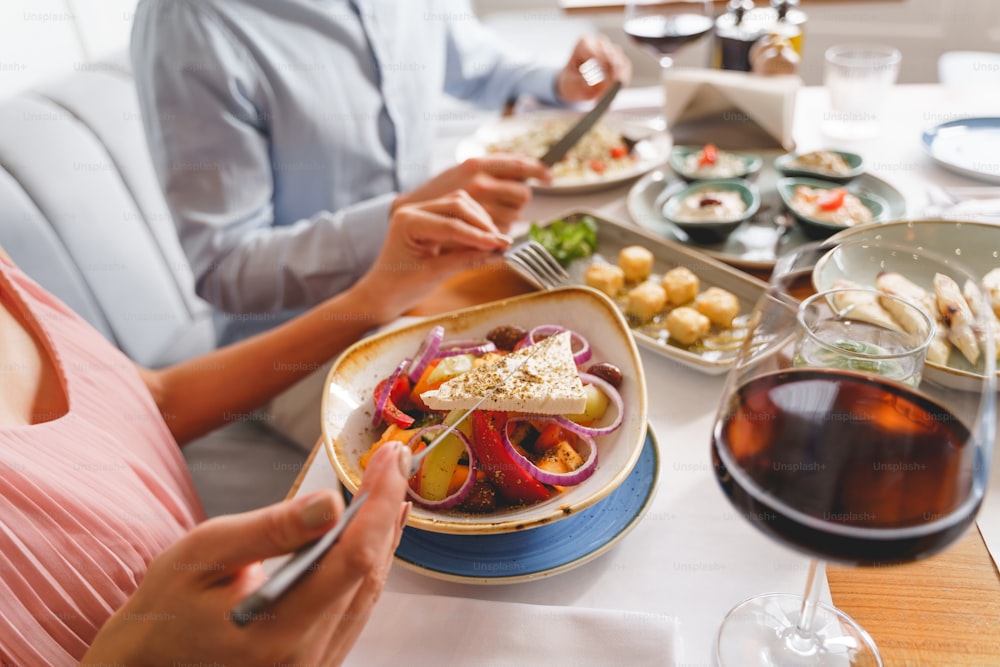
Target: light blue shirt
{"x": 281, "y": 131}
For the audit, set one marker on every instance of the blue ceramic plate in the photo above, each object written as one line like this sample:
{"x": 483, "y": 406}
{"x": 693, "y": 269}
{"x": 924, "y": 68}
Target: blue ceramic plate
{"x": 969, "y": 146}
{"x": 518, "y": 556}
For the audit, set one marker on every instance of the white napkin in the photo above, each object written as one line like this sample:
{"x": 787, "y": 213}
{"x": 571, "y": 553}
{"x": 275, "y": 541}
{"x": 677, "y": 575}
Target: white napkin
{"x": 433, "y": 630}
{"x": 694, "y": 94}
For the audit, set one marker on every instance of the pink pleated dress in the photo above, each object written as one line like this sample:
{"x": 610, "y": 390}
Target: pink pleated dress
{"x": 87, "y": 499}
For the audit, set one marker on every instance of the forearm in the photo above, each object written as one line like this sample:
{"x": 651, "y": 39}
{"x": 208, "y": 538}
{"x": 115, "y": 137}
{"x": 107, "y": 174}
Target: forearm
{"x": 197, "y": 396}
{"x": 483, "y": 70}
{"x": 276, "y": 268}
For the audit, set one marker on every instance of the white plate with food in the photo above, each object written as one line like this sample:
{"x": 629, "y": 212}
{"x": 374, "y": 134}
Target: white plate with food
{"x": 619, "y": 148}
{"x": 356, "y": 412}
{"x": 972, "y": 244}
{"x": 757, "y": 242}
{"x": 678, "y": 302}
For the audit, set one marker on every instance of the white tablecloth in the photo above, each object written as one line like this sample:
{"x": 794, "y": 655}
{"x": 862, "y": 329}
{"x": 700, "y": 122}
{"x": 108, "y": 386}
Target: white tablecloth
{"x": 692, "y": 557}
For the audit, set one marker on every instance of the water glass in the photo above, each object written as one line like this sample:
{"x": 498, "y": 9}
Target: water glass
{"x": 849, "y": 329}
{"x": 858, "y": 78}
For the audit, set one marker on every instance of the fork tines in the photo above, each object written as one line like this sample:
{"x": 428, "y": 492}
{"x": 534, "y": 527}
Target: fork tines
{"x": 591, "y": 71}
{"x": 537, "y": 265}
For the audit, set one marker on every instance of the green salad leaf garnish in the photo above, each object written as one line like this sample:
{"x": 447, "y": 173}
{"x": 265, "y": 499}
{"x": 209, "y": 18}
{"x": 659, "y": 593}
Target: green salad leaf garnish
{"x": 567, "y": 240}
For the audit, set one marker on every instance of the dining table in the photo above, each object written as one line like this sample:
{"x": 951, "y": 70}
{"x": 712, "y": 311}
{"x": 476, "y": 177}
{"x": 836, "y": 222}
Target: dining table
{"x": 692, "y": 557}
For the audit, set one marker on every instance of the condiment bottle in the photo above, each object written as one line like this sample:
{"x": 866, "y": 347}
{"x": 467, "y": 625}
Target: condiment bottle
{"x": 790, "y": 23}
{"x": 742, "y": 25}
{"x": 733, "y": 37}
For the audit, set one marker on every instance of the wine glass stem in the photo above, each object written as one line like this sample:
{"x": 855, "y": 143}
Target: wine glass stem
{"x": 666, "y": 62}
{"x": 803, "y": 639}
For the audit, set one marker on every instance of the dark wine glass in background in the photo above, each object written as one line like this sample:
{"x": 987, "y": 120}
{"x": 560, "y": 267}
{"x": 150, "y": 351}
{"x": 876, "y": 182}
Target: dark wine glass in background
{"x": 834, "y": 438}
{"x": 663, "y": 28}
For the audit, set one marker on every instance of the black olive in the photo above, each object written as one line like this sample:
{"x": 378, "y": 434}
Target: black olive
{"x": 481, "y": 500}
{"x": 506, "y": 337}
{"x": 607, "y": 372}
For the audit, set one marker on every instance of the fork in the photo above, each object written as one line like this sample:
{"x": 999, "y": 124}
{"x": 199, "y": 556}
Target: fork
{"x": 535, "y": 264}
{"x": 591, "y": 71}
{"x": 968, "y": 204}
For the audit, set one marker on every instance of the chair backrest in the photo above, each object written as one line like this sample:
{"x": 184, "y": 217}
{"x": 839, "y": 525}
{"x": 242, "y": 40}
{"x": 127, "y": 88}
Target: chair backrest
{"x": 963, "y": 68}
{"x": 82, "y": 213}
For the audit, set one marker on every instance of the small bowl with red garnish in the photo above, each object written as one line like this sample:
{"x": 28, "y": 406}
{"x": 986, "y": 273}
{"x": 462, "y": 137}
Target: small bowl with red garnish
{"x": 710, "y": 163}
{"x": 824, "y": 208}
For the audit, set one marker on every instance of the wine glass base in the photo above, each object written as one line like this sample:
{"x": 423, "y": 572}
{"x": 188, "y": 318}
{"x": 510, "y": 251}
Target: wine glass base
{"x": 761, "y": 631}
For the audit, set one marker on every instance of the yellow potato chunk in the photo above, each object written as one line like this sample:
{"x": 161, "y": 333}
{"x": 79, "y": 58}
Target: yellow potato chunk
{"x": 686, "y": 325}
{"x": 636, "y": 262}
{"x": 681, "y": 285}
{"x": 645, "y": 301}
{"x": 718, "y": 305}
{"x": 605, "y": 277}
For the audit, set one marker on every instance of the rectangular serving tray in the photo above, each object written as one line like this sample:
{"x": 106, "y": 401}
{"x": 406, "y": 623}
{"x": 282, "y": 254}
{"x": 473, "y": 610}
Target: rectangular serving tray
{"x": 612, "y": 236}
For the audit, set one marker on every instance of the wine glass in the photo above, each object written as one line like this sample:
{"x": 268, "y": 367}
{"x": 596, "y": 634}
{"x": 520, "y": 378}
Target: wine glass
{"x": 850, "y": 450}
{"x": 663, "y": 28}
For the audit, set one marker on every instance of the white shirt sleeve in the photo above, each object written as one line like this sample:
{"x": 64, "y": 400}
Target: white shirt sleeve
{"x": 204, "y": 108}
{"x": 481, "y": 69}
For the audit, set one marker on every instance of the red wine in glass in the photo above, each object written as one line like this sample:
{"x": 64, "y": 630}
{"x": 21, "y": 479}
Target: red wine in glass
{"x": 847, "y": 467}
{"x": 665, "y": 35}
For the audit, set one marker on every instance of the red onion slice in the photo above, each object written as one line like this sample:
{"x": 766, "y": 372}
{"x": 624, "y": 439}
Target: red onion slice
{"x": 579, "y": 344}
{"x": 546, "y": 476}
{"x": 616, "y": 400}
{"x": 544, "y": 331}
{"x": 476, "y": 347}
{"x": 383, "y": 396}
{"x": 463, "y": 491}
{"x": 427, "y": 351}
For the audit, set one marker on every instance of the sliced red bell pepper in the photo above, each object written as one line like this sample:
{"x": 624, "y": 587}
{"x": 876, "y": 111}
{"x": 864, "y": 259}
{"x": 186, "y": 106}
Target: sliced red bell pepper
{"x": 514, "y": 484}
{"x": 399, "y": 393}
{"x": 832, "y": 199}
{"x": 709, "y": 155}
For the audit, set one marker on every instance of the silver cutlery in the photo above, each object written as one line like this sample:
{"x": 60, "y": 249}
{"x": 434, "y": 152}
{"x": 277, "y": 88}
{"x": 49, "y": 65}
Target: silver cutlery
{"x": 963, "y": 192}
{"x": 559, "y": 149}
{"x": 963, "y": 203}
{"x": 534, "y": 263}
{"x": 591, "y": 71}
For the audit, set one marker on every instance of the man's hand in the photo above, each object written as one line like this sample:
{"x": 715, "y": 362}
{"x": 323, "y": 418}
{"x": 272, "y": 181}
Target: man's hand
{"x": 571, "y": 86}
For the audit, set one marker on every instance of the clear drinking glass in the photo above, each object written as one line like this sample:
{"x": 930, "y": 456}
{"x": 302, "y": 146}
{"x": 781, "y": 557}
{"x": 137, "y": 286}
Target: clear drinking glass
{"x": 847, "y": 328}
{"x": 858, "y": 78}
{"x": 859, "y": 454}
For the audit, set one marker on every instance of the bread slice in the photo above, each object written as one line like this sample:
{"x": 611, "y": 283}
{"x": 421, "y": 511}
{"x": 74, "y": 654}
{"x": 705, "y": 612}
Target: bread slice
{"x": 548, "y": 383}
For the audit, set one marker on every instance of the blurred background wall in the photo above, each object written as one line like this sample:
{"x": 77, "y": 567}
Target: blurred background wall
{"x": 42, "y": 38}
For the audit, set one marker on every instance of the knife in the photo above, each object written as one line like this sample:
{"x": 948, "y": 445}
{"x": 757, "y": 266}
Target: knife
{"x": 303, "y": 560}
{"x": 570, "y": 139}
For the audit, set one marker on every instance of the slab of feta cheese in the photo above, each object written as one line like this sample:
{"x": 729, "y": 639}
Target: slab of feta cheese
{"x": 548, "y": 383}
